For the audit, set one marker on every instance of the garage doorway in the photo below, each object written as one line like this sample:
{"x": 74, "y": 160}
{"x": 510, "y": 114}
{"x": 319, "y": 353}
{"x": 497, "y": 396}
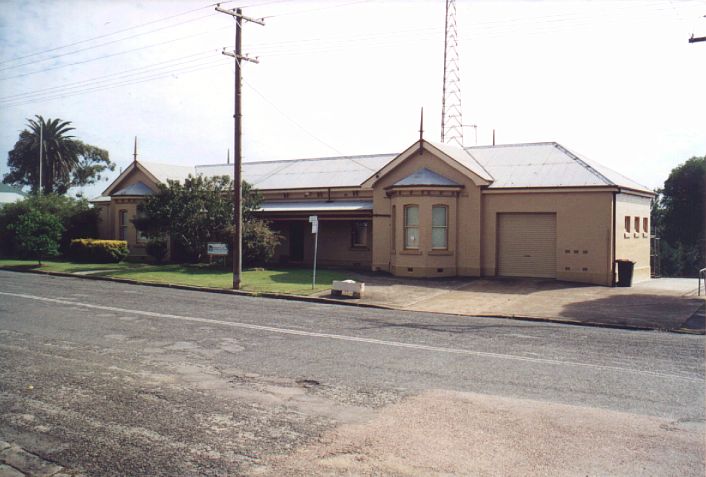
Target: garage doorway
{"x": 527, "y": 245}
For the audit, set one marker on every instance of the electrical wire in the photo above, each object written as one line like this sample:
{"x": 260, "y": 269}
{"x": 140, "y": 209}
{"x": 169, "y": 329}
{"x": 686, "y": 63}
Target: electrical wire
{"x": 290, "y": 119}
{"x": 212, "y": 64}
{"x": 102, "y": 57}
{"x": 106, "y": 43}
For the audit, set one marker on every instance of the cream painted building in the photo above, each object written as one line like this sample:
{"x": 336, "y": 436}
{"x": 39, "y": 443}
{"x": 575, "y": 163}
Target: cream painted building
{"x": 523, "y": 210}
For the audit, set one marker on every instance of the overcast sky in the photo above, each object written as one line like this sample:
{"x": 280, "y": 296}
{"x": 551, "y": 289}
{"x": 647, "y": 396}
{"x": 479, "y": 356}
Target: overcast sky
{"x": 616, "y": 81}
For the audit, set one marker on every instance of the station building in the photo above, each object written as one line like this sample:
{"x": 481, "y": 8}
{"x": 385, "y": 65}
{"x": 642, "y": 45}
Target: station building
{"x": 433, "y": 210}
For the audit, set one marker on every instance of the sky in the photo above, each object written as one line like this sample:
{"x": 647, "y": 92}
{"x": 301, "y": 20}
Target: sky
{"x": 617, "y": 81}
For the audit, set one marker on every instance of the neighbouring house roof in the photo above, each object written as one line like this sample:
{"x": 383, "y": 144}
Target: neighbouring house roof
{"x": 317, "y": 206}
{"x": 425, "y": 177}
{"x": 138, "y": 188}
{"x": 10, "y": 194}
{"x": 545, "y": 164}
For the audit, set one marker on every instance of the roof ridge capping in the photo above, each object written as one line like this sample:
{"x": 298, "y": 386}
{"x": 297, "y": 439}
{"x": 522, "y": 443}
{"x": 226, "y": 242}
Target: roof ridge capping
{"x": 323, "y": 158}
{"x": 518, "y": 144}
{"x": 584, "y": 164}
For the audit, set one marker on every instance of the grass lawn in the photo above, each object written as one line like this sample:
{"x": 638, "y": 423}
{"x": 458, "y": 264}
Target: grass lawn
{"x": 285, "y": 280}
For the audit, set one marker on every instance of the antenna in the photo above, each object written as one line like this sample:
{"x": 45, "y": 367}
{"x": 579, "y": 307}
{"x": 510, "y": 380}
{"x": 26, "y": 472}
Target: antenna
{"x": 421, "y": 132}
{"x": 451, "y": 128}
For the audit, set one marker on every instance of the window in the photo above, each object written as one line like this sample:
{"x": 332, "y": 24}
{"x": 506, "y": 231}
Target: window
{"x": 627, "y": 224}
{"x": 637, "y": 224}
{"x": 645, "y": 225}
{"x": 359, "y": 235}
{"x": 411, "y": 226}
{"x": 439, "y": 227}
{"x": 122, "y": 223}
{"x": 141, "y": 237}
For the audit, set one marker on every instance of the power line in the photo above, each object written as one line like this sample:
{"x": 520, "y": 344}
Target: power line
{"x": 290, "y": 119}
{"x": 161, "y": 75}
{"x": 105, "y": 43}
{"x": 129, "y": 72}
{"x": 102, "y": 57}
{"x": 104, "y": 35}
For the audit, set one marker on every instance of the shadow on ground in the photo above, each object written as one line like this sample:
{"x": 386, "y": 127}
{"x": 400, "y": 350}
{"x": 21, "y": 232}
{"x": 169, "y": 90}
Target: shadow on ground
{"x": 638, "y": 310}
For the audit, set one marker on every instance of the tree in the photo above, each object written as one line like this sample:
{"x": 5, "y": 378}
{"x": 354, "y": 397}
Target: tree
{"x": 77, "y": 217}
{"x": 67, "y": 162}
{"x": 38, "y": 234}
{"x": 200, "y": 210}
{"x": 679, "y": 216}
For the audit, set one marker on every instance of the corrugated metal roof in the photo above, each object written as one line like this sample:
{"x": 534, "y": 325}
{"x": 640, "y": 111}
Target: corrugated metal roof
{"x": 545, "y": 164}
{"x": 100, "y": 199}
{"x": 463, "y": 157}
{"x": 347, "y": 171}
{"x": 317, "y": 206}
{"x": 168, "y": 171}
{"x": 138, "y": 188}
{"x": 425, "y": 177}
{"x": 10, "y": 197}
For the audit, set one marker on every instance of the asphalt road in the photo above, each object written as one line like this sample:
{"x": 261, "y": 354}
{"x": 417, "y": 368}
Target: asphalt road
{"x": 114, "y": 379}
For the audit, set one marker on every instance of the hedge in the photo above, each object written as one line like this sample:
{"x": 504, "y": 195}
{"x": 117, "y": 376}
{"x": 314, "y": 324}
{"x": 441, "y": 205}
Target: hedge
{"x": 98, "y": 251}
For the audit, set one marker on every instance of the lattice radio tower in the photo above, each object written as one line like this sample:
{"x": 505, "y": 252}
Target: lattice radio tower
{"x": 451, "y": 121}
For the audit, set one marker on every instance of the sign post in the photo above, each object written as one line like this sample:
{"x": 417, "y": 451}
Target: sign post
{"x": 314, "y": 220}
{"x": 217, "y": 249}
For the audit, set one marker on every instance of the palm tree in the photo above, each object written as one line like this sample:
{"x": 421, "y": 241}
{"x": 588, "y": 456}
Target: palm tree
{"x": 66, "y": 161}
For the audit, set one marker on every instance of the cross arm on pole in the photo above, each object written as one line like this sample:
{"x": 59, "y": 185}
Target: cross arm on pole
{"x": 240, "y": 57}
{"x": 235, "y": 13}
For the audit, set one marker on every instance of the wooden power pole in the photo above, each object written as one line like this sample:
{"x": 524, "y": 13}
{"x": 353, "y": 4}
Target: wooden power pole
{"x": 237, "y": 14}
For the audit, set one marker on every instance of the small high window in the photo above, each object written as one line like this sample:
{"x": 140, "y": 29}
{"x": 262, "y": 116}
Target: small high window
{"x": 359, "y": 234}
{"x": 627, "y": 223}
{"x": 439, "y": 227}
{"x": 411, "y": 226}
{"x": 122, "y": 224}
{"x": 637, "y": 224}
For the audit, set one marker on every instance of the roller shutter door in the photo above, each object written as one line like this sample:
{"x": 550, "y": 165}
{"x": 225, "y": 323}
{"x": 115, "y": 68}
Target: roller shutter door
{"x": 527, "y": 245}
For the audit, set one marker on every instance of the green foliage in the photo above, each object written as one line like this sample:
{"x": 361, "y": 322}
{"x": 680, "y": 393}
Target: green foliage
{"x": 259, "y": 242}
{"x": 66, "y": 161}
{"x": 193, "y": 213}
{"x": 678, "y": 217}
{"x": 37, "y": 234}
{"x": 157, "y": 248}
{"x": 98, "y": 251}
{"x": 200, "y": 210}
{"x": 76, "y": 216}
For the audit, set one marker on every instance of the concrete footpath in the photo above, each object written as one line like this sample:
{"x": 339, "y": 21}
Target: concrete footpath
{"x": 669, "y": 304}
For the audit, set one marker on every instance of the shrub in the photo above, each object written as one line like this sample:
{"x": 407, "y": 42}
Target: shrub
{"x": 259, "y": 242}
{"x": 157, "y": 249}
{"x": 76, "y": 216}
{"x": 98, "y": 251}
{"x": 37, "y": 235}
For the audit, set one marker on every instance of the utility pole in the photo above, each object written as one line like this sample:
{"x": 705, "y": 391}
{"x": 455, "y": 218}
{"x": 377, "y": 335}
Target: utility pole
{"x": 237, "y": 14}
{"x": 41, "y": 147}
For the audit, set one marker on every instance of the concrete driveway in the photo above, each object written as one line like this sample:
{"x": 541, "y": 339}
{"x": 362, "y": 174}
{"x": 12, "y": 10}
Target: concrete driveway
{"x": 663, "y": 304}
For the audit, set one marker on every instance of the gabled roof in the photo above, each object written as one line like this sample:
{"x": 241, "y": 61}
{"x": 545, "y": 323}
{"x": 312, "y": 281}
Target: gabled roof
{"x": 545, "y": 164}
{"x": 530, "y": 165}
{"x": 425, "y": 177}
{"x": 458, "y": 159}
{"x": 138, "y": 188}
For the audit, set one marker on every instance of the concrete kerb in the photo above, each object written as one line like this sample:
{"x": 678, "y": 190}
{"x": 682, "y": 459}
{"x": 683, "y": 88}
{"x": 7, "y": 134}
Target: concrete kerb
{"x": 304, "y": 298}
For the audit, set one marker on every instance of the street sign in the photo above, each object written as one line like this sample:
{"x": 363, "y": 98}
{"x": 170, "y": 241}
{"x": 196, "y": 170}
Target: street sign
{"x": 314, "y": 227}
{"x": 313, "y": 219}
{"x": 217, "y": 248}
